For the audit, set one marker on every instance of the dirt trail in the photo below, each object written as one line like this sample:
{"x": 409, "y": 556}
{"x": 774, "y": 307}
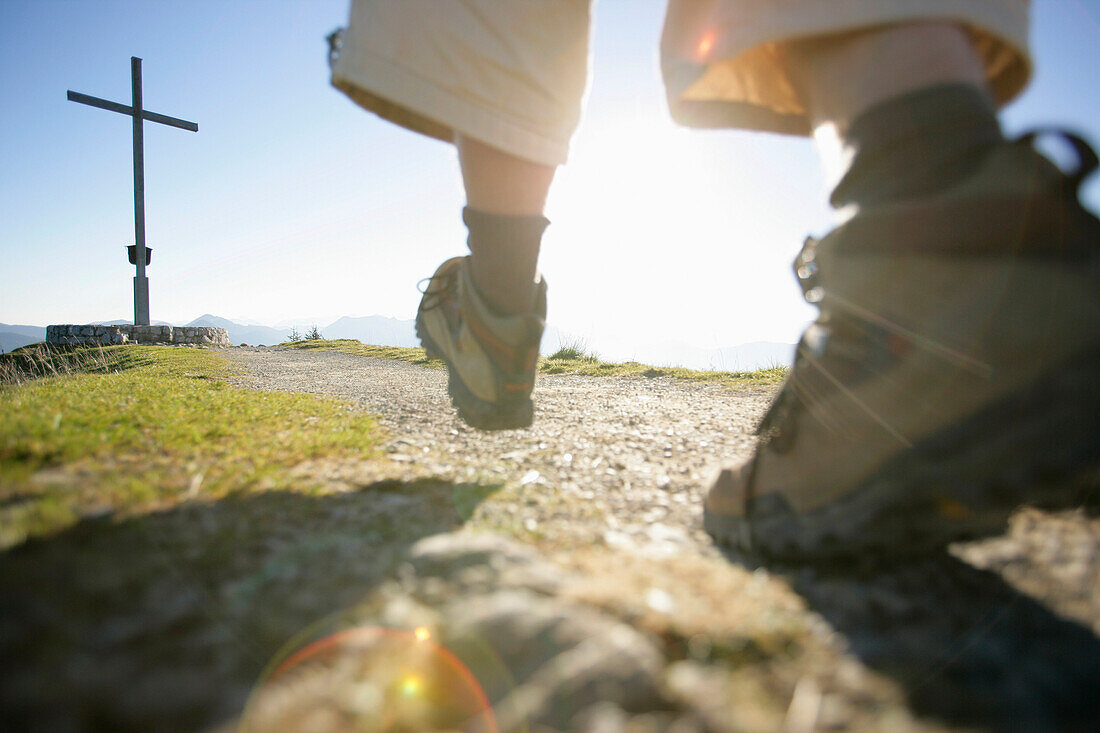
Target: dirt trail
{"x": 610, "y": 479}
{"x": 565, "y": 565}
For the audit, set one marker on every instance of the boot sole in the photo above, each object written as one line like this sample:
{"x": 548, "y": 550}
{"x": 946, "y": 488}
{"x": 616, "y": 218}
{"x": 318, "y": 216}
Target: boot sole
{"x": 1040, "y": 446}
{"x": 474, "y": 411}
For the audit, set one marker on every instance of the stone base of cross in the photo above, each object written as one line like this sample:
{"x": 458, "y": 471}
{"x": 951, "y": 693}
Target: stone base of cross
{"x": 103, "y": 335}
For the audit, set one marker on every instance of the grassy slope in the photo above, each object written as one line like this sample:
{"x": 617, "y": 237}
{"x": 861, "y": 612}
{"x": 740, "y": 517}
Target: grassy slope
{"x": 586, "y": 365}
{"x": 138, "y": 428}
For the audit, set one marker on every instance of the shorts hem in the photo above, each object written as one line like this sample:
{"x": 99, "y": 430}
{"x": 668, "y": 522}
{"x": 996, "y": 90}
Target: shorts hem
{"x": 411, "y": 100}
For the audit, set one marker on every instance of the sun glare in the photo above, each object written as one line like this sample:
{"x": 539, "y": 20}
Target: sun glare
{"x": 411, "y": 686}
{"x": 620, "y": 168}
{"x": 705, "y": 44}
{"x": 665, "y": 218}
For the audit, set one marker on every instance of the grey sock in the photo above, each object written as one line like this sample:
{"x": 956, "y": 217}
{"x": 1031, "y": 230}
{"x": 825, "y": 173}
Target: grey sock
{"x": 917, "y": 143}
{"x": 504, "y": 257}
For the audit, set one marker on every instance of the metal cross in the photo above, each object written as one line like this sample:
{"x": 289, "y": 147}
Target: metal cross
{"x": 139, "y": 115}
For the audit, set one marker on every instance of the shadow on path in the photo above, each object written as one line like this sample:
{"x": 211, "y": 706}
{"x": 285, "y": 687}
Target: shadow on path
{"x": 965, "y": 647}
{"x": 165, "y": 621}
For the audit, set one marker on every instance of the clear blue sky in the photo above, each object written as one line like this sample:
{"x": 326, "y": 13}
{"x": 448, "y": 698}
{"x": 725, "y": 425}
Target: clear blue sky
{"x": 291, "y": 203}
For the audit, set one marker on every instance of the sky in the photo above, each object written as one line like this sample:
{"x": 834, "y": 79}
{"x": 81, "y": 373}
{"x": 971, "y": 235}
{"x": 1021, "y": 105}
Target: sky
{"x": 290, "y": 203}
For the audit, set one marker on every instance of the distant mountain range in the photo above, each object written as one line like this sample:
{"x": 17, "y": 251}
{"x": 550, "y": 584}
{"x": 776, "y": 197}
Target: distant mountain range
{"x": 385, "y": 331}
{"x": 12, "y": 337}
{"x": 240, "y": 333}
{"x": 374, "y": 330}
{"x": 743, "y": 357}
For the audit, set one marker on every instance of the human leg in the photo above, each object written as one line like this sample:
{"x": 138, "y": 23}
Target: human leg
{"x": 505, "y": 198}
{"x": 497, "y": 182}
{"x": 952, "y": 373}
{"x": 503, "y": 81}
{"x": 840, "y": 77}
{"x": 483, "y": 314}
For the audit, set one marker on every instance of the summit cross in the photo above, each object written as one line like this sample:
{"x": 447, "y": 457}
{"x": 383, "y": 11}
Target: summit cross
{"x": 139, "y": 115}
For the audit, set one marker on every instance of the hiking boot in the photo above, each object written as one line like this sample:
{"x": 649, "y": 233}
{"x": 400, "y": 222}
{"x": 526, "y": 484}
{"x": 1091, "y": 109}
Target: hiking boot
{"x": 952, "y": 375}
{"x": 491, "y": 358}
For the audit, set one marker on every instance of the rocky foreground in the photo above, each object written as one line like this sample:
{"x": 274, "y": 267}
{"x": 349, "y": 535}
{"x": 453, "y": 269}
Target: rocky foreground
{"x": 554, "y": 579}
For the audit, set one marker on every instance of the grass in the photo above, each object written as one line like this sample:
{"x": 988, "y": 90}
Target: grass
{"x": 40, "y": 360}
{"x": 352, "y": 346}
{"x": 135, "y": 428}
{"x": 574, "y": 350}
{"x": 571, "y": 358}
{"x": 597, "y": 368}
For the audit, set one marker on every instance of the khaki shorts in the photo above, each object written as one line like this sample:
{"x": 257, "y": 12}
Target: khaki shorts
{"x": 512, "y": 73}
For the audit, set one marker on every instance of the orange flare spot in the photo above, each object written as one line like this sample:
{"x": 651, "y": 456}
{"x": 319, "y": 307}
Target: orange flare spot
{"x": 706, "y": 44}
{"x": 422, "y": 633}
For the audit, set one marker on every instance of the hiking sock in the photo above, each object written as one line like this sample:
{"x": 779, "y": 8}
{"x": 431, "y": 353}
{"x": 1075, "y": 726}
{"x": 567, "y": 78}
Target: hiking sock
{"x": 917, "y": 143}
{"x": 504, "y": 257}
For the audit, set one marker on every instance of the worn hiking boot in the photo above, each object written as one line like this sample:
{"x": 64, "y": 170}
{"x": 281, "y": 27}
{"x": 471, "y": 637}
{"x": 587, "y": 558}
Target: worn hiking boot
{"x": 952, "y": 375}
{"x": 490, "y": 358}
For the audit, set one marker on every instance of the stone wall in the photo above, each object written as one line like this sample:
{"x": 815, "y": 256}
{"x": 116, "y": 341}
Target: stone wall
{"x": 74, "y": 335}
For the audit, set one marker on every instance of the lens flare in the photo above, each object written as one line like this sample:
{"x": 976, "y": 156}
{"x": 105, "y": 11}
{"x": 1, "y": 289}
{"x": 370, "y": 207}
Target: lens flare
{"x": 411, "y": 686}
{"x": 371, "y": 678}
{"x": 706, "y": 43}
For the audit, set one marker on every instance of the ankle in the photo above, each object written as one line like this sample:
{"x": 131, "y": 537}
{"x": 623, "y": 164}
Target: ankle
{"x": 915, "y": 144}
{"x": 504, "y": 254}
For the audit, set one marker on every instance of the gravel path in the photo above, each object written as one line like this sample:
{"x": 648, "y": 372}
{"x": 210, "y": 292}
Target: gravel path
{"x": 608, "y": 484}
{"x": 635, "y": 452}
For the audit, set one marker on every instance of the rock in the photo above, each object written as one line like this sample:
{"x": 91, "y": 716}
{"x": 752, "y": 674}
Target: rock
{"x": 477, "y": 563}
{"x": 449, "y": 554}
{"x": 67, "y": 334}
{"x": 550, "y": 659}
{"x": 603, "y": 717}
{"x": 541, "y": 662}
{"x": 562, "y": 658}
